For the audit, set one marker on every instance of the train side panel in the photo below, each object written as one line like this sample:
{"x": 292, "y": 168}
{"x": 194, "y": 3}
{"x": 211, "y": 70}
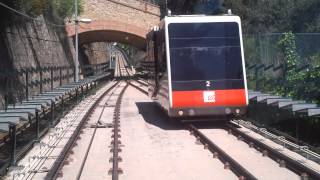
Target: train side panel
{"x": 158, "y": 86}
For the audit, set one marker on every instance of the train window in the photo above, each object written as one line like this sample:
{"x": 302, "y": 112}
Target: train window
{"x": 205, "y": 51}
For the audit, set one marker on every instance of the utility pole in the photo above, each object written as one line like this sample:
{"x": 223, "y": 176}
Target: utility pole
{"x": 76, "y": 63}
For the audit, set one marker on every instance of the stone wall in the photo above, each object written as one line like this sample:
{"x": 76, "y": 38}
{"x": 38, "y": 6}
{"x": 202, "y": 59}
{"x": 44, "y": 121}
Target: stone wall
{"x": 31, "y": 44}
{"x": 95, "y": 53}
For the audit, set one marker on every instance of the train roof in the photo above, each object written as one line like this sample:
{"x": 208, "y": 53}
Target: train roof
{"x": 200, "y": 18}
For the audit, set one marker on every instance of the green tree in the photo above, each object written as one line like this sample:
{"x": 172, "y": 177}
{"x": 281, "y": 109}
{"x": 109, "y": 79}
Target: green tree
{"x": 34, "y": 8}
{"x": 262, "y": 16}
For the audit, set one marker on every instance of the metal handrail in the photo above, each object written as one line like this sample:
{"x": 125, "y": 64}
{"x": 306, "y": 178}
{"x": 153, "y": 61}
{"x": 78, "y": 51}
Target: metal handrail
{"x": 28, "y": 78}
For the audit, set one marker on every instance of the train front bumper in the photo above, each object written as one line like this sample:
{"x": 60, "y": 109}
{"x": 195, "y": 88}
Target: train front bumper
{"x": 219, "y": 112}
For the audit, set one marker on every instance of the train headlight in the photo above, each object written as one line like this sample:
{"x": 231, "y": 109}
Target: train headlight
{"x": 238, "y": 111}
{"x": 191, "y": 112}
{"x": 228, "y": 111}
{"x": 180, "y": 113}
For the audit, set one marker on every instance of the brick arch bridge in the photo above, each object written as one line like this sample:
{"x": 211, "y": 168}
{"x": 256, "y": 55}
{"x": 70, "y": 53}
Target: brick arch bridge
{"x": 125, "y": 21}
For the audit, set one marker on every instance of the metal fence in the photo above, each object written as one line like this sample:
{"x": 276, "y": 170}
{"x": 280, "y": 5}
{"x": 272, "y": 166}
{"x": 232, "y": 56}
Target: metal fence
{"x": 268, "y": 71}
{"x": 20, "y": 84}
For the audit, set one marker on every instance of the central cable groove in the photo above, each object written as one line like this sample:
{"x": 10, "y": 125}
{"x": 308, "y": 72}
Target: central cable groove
{"x": 116, "y": 142}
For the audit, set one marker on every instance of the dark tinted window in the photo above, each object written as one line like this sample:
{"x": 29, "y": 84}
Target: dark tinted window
{"x": 205, "y": 51}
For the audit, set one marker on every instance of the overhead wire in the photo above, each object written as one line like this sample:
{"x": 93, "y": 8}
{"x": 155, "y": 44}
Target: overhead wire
{"x": 32, "y": 18}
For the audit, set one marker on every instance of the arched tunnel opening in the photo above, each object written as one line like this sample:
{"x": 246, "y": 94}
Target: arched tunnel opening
{"x": 96, "y": 48}
{"x": 95, "y": 39}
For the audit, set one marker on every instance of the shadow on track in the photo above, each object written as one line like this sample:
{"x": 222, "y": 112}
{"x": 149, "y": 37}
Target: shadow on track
{"x": 154, "y": 115}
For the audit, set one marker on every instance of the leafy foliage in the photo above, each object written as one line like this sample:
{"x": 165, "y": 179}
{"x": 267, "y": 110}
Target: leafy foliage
{"x": 296, "y": 80}
{"x": 59, "y": 8}
{"x": 291, "y": 77}
{"x": 65, "y": 8}
{"x": 195, "y": 6}
{"x": 259, "y": 16}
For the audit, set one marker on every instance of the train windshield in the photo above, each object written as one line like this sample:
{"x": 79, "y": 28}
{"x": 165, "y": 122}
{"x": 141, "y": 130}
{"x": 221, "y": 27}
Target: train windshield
{"x": 205, "y": 51}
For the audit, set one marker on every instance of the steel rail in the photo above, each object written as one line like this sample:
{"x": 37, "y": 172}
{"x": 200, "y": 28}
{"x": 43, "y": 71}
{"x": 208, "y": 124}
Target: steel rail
{"x": 235, "y": 167}
{"x": 90, "y": 143}
{"x": 121, "y": 75}
{"x": 119, "y": 70}
{"x": 142, "y": 83}
{"x": 139, "y": 88}
{"x": 290, "y": 163}
{"x": 128, "y": 74}
{"x": 54, "y": 171}
{"x": 116, "y": 142}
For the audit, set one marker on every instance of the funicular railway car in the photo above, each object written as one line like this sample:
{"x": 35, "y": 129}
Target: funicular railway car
{"x": 198, "y": 67}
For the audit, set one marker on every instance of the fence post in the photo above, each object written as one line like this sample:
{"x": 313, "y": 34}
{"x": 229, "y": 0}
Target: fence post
{"x": 74, "y": 74}
{"x": 68, "y": 74}
{"x": 52, "y": 108}
{"x": 5, "y": 92}
{"x": 37, "y": 125}
{"x": 256, "y": 76}
{"x": 51, "y": 77}
{"x": 285, "y": 82}
{"x": 27, "y": 84}
{"x": 40, "y": 69}
{"x": 12, "y": 132}
{"x": 60, "y": 76}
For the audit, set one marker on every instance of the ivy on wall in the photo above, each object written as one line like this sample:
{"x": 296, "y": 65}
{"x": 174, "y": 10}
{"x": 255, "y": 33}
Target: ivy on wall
{"x": 298, "y": 83}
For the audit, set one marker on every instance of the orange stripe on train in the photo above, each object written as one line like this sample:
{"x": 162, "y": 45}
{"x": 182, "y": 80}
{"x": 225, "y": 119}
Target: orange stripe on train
{"x": 230, "y": 97}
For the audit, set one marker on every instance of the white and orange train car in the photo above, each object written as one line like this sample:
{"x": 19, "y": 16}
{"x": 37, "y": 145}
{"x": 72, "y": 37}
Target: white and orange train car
{"x": 198, "y": 67}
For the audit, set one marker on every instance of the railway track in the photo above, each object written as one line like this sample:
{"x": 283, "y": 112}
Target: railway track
{"x": 59, "y": 171}
{"x": 78, "y": 157}
{"x": 115, "y": 171}
{"x": 303, "y": 171}
{"x": 45, "y": 151}
{"x": 55, "y": 171}
{"x": 241, "y": 171}
{"x": 228, "y": 161}
{"x": 117, "y": 89}
{"x": 97, "y": 125}
{"x": 284, "y": 161}
{"x": 138, "y": 88}
{"x": 112, "y": 99}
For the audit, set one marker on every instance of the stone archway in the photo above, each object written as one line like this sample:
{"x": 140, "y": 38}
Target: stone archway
{"x": 125, "y": 21}
{"x": 110, "y": 31}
